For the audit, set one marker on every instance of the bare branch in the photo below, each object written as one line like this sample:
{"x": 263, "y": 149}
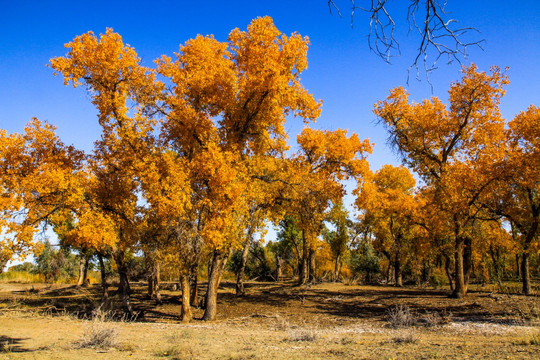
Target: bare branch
{"x": 440, "y": 36}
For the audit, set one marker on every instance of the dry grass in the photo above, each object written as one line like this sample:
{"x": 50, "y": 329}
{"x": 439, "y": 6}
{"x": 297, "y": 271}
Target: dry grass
{"x": 100, "y": 333}
{"x": 333, "y": 322}
{"x": 400, "y": 316}
{"x": 295, "y": 335}
{"x": 408, "y": 337}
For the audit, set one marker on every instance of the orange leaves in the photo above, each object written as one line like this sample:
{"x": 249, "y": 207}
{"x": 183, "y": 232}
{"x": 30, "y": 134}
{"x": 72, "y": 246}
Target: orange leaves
{"x": 334, "y": 152}
{"x": 430, "y": 135}
{"x": 38, "y": 182}
{"x": 110, "y": 69}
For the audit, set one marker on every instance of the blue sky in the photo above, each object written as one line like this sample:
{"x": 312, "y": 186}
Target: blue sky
{"x": 342, "y": 71}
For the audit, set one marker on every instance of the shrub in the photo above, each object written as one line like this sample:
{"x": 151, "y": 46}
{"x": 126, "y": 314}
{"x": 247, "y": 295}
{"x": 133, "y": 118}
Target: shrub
{"x": 400, "y": 316}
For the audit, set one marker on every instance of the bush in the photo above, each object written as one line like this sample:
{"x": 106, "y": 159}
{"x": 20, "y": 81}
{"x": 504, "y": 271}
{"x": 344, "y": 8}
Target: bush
{"x": 400, "y": 316}
{"x": 437, "y": 278}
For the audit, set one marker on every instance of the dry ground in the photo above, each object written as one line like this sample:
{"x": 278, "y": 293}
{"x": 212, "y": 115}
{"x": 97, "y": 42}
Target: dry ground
{"x": 274, "y": 321}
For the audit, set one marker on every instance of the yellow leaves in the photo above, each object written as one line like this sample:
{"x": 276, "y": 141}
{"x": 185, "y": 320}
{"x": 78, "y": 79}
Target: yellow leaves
{"x": 94, "y": 230}
{"x": 38, "y": 182}
{"x": 334, "y": 152}
{"x": 431, "y": 135}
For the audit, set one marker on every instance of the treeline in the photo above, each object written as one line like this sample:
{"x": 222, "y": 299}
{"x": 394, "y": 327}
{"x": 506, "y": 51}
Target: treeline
{"x": 193, "y": 162}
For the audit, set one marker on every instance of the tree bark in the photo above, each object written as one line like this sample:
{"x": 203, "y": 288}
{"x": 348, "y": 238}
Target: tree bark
{"x": 448, "y": 272}
{"x": 80, "y": 281}
{"x": 194, "y": 283}
{"x": 104, "y": 285}
{"x": 398, "y": 273}
{"x": 336, "y": 268}
{"x": 218, "y": 261}
{"x": 156, "y": 274}
{"x": 186, "y": 315}
{"x": 467, "y": 261}
{"x": 124, "y": 288}
{"x": 525, "y": 276}
{"x": 460, "y": 288}
{"x": 240, "y": 291}
{"x": 304, "y": 275}
{"x": 85, "y": 281}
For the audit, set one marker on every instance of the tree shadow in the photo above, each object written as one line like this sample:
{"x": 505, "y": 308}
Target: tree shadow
{"x": 10, "y": 344}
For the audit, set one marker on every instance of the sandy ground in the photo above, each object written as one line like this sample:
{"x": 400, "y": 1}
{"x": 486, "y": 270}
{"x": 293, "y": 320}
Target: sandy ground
{"x": 274, "y": 321}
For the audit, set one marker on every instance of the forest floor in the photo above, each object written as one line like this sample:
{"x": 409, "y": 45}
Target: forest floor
{"x": 273, "y": 321}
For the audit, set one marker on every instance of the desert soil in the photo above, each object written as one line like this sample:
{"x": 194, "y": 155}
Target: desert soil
{"x": 273, "y": 321}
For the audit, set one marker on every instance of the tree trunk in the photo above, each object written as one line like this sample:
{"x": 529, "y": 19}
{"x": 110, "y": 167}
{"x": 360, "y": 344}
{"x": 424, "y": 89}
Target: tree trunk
{"x": 150, "y": 289}
{"x": 460, "y": 288}
{"x": 219, "y": 259}
{"x": 398, "y": 273}
{"x": 525, "y": 276}
{"x": 518, "y": 266}
{"x": 240, "y": 291}
{"x": 85, "y": 281}
{"x": 80, "y": 281}
{"x": 336, "y": 268}
{"x": 467, "y": 261}
{"x": 448, "y": 272}
{"x": 194, "y": 283}
{"x": 104, "y": 285}
{"x": 278, "y": 268}
{"x": 187, "y": 315}
{"x": 156, "y": 282}
{"x": 304, "y": 275}
{"x": 124, "y": 288}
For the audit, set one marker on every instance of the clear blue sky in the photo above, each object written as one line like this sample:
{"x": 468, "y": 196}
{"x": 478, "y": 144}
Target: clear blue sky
{"x": 342, "y": 71}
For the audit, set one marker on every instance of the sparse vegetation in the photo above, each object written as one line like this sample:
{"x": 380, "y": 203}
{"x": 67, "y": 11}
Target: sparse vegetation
{"x": 99, "y": 333}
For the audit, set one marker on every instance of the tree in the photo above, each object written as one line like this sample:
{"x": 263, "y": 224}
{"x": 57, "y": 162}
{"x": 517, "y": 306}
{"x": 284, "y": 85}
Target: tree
{"x": 115, "y": 78}
{"x": 451, "y": 148}
{"x": 325, "y": 159}
{"x": 517, "y": 195}
{"x": 39, "y": 184}
{"x": 339, "y": 238}
{"x": 389, "y": 200}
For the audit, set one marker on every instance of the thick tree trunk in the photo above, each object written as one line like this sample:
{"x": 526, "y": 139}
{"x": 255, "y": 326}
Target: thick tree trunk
{"x": 448, "y": 272}
{"x": 304, "y": 271}
{"x": 529, "y": 237}
{"x": 194, "y": 283}
{"x": 157, "y": 274}
{"x": 150, "y": 288}
{"x": 518, "y": 266}
{"x": 398, "y": 273}
{"x": 187, "y": 315}
{"x": 467, "y": 261}
{"x": 336, "y": 268}
{"x": 240, "y": 291}
{"x": 85, "y": 281}
{"x": 460, "y": 288}
{"x": 123, "y": 288}
{"x": 104, "y": 285}
{"x": 219, "y": 259}
{"x": 525, "y": 276}
{"x": 80, "y": 281}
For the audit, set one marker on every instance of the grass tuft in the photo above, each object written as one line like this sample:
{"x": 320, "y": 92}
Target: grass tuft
{"x": 308, "y": 335}
{"x": 400, "y": 316}
{"x": 100, "y": 333}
